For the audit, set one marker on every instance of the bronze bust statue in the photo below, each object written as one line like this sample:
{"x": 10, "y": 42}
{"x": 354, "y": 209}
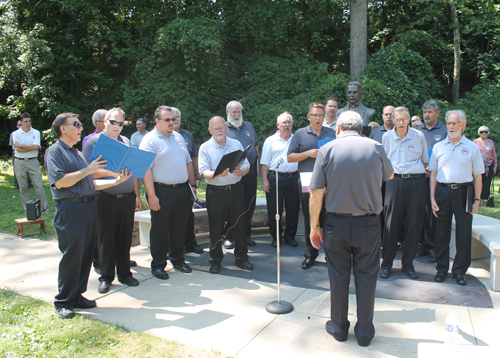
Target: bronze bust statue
{"x": 354, "y": 93}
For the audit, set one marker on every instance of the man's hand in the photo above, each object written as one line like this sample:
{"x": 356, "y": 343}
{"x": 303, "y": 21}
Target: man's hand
{"x": 266, "y": 186}
{"x": 316, "y": 238}
{"x": 154, "y": 203}
{"x": 427, "y": 172}
{"x": 223, "y": 174}
{"x": 435, "y": 207}
{"x": 237, "y": 172}
{"x": 313, "y": 153}
{"x": 138, "y": 204}
{"x": 123, "y": 175}
{"x": 96, "y": 165}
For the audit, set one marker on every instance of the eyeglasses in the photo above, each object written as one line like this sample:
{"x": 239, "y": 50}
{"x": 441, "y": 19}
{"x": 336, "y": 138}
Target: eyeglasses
{"x": 484, "y": 132}
{"x": 316, "y": 115}
{"x": 76, "y": 124}
{"x": 397, "y": 120}
{"x": 173, "y": 119}
{"x": 216, "y": 129}
{"x": 116, "y": 123}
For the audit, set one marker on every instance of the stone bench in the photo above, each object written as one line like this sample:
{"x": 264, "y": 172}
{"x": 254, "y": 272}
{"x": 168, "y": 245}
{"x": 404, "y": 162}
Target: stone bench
{"x": 486, "y": 232}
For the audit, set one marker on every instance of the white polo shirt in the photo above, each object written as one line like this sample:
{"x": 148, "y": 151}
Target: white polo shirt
{"x": 31, "y": 137}
{"x": 408, "y": 154}
{"x": 456, "y": 163}
{"x": 276, "y": 148}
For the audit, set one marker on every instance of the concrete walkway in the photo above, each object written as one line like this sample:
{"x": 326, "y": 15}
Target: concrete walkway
{"x": 228, "y": 314}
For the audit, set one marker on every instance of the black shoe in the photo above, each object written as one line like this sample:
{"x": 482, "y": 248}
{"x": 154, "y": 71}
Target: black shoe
{"x": 65, "y": 313}
{"x": 274, "y": 243}
{"x": 440, "y": 276}
{"x": 307, "y": 263}
{"x": 460, "y": 279}
{"x": 160, "y": 273}
{"x": 291, "y": 242}
{"x": 250, "y": 242}
{"x": 342, "y": 338}
{"x": 133, "y": 263}
{"x": 421, "y": 252}
{"x": 97, "y": 270}
{"x": 432, "y": 257}
{"x": 16, "y": 187}
{"x": 104, "y": 286}
{"x": 411, "y": 273}
{"x": 215, "y": 267}
{"x": 130, "y": 281}
{"x": 183, "y": 267}
{"x": 384, "y": 273}
{"x": 82, "y": 302}
{"x": 244, "y": 264}
{"x": 196, "y": 249}
{"x": 228, "y": 244}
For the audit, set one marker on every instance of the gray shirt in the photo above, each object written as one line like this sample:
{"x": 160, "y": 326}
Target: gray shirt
{"x": 352, "y": 169}
{"x": 408, "y": 154}
{"x": 378, "y": 133}
{"x": 211, "y": 153}
{"x": 190, "y": 143}
{"x": 122, "y": 188}
{"x": 245, "y": 134}
{"x": 434, "y": 135}
{"x": 305, "y": 139}
{"x": 169, "y": 165}
{"x": 136, "y": 138}
{"x": 60, "y": 159}
{"x": 456, "y": 163}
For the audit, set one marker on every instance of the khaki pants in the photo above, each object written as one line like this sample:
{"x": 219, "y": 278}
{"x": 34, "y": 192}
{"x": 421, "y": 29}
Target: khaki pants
{"x": 30, "y": 168}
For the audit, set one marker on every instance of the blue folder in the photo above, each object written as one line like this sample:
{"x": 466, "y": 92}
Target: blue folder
{"x": 120, "y": 156}
{"x": 322, "y": 142}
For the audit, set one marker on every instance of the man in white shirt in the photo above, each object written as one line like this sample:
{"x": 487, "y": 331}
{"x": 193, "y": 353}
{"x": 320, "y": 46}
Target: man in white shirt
{"x": 26, "y": 143}
{"x": 332, "y": 106}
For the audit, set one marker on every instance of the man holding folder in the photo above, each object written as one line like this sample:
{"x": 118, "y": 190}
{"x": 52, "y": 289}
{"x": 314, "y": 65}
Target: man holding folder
{"x": 115, "y": 211}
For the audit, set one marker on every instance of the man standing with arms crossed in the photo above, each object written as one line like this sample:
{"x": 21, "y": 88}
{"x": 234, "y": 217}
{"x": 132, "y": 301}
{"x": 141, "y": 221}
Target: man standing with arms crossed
{"x": 352, "y": 169}
{"x": 303, "y": 150}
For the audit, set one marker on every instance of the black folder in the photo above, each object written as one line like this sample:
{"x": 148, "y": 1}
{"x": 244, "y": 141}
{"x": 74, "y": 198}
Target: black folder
{"x": 232, "y": 160}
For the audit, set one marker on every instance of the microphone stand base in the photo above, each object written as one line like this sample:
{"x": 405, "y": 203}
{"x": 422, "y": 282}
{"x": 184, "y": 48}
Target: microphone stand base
{"x": 279, "y": 307}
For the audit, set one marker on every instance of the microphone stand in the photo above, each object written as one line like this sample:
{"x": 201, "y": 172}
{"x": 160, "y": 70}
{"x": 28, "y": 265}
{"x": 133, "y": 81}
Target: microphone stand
{"x": 279, "y": 306}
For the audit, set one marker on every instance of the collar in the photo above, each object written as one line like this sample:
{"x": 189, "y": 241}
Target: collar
{"x": 349, "y": 134}
{"x": 64, "y": 145}
{"x": 277, "y": 135}
{"x": 160, "y": 134}
{"x": 217, "y": 145}
{"x": 461, "y": 141}
{"x": 237, "y": 128}
{"x": 395, "y": 136}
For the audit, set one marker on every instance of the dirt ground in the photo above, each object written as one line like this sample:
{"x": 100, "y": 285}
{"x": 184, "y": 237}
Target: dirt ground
{"x": 259, "y": 219}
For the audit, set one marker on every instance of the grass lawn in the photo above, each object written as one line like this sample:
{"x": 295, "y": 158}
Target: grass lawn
{"x": 31, "y": 329}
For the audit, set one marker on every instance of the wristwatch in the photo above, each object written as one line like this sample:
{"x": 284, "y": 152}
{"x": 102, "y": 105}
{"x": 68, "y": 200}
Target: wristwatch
{"x": 314, "y": 226}
{"x": 477, "y": 199}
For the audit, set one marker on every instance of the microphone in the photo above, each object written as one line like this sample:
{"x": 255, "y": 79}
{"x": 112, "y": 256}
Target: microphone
{"x": 280, "y": 161}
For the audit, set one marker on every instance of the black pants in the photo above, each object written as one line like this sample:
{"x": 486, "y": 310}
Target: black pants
{"x": 288, "y": 194}
{"x": 190, "y": 240}
{"x": 115, "y": 222}
{"x": 452, "y": 202}
{"x": 168, "y": 225}
{"x": 428, "y": 235}
{"x": 75, "y": 225}
{"x": 227, "y": 205}
{"x": 353, "y": 240}
{"x": 485, "y": 192}
{"x": 404, "y": 209}
{"x": 310, "y": 251}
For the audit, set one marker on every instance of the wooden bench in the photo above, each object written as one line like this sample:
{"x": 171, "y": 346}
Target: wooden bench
{"x": 486, "y": 232}
{"x": 21, "y": 223}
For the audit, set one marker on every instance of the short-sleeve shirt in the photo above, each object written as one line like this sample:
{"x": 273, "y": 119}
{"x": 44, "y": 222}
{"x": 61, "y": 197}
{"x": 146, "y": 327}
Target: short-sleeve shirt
{"x": 434, "y": 135}
{"x": 61, "y": 159}
{"x": 32, "y": 137}
{"x": 136, "y": 138}
{"x": 246, "y": 135}
{"x": 352, "y": 169}
{"x": 169, "y": 165}
{"x": 190, "y": 143}
{"x": 408, "y": 154}
{"x": 456, "y": 163}
{"x": 378, "y": 133}
{"x": 211, "y": 153}
{"x": 332, "y": 125}
{"x": 122, "y": 188}
{"x": 275, "y": 149}
{"x": 305, "y": 139}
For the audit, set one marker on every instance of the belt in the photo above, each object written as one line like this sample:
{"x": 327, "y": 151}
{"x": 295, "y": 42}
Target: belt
{"x": 118, "y": 196}
{"x": 76, "y": 199}
{"x": 171, "y": 185}
{"x": 222, "y": 187}
{"x": 409, "y": 176}
{"x": 455, "y": 185}
{"x": 26, "y": 158}
{"x": 287, "y": 174}
{"x": 357, "y": 215}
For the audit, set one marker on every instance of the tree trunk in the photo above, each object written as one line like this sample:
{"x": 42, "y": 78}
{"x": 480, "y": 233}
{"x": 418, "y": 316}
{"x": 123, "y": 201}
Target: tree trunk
{"x": 359, "y": 42}
{"x": 456, "y": 45}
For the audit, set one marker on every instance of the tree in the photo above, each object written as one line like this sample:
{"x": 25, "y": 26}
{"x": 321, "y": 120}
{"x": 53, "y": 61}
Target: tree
{"x": 359, "y": 46}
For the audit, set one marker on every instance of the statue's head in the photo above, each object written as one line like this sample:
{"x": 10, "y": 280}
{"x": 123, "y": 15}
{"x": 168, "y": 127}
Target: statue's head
{"x": 354, "y": 92}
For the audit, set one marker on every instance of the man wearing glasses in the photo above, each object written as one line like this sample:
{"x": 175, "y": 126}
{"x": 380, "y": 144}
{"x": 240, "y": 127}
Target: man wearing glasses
{"x": 26, "y": 143}
{"x": 303, "y": 149}
{"x": 73, "y": 189}
{"x": 98, "y": 121}
{"x": 169, "y": 195}
{"x": 115, "y": 211}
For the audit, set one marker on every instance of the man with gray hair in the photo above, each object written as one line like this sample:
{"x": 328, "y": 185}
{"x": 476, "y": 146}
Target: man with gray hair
{"x": 274, "y": 158}
{"x": 98, "y": 121}
{"x": 456, "y": 169}
{"x": 244, "y": 132}
{"x": 348, "y": 174}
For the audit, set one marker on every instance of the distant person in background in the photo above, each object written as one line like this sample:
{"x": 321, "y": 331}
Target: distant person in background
{"x": 16, "y": 184}
{"x": 377, "y": 133}
{"x": 98, "y": 120}
{"x": 136, "y": 138}
{"x": 26, "y": 143}
{"x": 331, "y": 106}
{"x": 373, "y": 125}
{"x": 415, "y": 121}
{"x": 489, "y": 155}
